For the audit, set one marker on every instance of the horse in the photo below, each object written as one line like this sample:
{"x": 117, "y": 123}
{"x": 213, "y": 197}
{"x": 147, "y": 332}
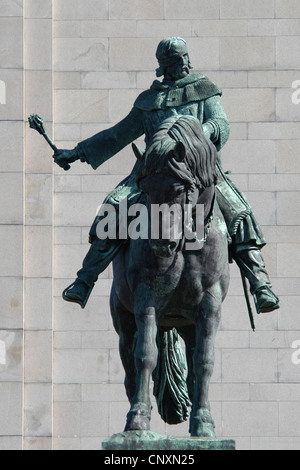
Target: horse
{"x": 164, "y": 292}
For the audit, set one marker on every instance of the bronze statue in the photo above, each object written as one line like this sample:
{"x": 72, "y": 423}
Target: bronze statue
{"x": 160, "y": 288}
{"x": 186, "y": 93}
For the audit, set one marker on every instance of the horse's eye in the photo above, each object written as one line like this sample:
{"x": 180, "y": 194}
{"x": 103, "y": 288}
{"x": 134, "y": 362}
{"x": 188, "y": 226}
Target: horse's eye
{"x": 179, "y": 191}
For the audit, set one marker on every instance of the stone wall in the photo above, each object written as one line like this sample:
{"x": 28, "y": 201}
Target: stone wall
{"x": 80, "y": 64}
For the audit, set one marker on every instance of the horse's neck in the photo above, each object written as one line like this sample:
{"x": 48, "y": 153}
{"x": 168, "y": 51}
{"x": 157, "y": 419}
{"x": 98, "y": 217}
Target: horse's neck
{"x": 206, "y": 197}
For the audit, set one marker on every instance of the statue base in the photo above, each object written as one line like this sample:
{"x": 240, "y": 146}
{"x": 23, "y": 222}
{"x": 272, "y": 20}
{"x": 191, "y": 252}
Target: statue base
{"x": 147, "y": 440}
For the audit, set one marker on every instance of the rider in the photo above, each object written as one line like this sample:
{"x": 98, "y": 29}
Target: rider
{"x": 180, "y": 92}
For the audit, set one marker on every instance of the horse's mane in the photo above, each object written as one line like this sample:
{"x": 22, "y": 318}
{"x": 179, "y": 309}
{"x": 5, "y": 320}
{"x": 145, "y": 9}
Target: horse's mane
{"x": 199, "y": 166}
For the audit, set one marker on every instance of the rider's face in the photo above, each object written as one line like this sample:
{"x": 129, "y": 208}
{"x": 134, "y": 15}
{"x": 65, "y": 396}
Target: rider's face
{"x": 180, "y": 67}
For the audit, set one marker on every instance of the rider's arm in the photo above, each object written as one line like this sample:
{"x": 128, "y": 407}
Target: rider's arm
{"x": 216, "y": 122}
{"x": 99, "y": 148}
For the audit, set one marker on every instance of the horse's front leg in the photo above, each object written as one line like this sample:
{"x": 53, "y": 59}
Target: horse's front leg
{"x": 201, "y": 422}
{"x": 145, "y": 355}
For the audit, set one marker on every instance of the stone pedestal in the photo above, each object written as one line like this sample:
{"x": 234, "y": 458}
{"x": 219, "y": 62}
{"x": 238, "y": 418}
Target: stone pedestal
{"x": 147, "y": 440}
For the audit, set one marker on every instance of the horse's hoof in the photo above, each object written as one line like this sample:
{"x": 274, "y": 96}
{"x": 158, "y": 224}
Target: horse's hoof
{"x": 202, "y": 425}
{"x": 138, "y": 418}
{"x": 203, "y": 430}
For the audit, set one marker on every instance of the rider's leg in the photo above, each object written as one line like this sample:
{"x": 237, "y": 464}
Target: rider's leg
{"x": 99, "y": 256}
{"x": 252, "y": 265}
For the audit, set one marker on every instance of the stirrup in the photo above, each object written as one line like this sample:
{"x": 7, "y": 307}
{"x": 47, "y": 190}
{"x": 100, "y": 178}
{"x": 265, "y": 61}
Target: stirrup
{"x": 83, "y": 302}
{"x": 267, "y": 309}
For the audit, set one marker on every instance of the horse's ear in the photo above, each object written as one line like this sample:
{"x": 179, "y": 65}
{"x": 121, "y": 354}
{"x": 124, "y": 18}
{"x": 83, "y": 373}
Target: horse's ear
{"x": 179, "y": 152}
{"x": 138, "y": 152}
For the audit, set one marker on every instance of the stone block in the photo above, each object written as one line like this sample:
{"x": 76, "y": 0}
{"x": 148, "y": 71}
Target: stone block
{"x": 273, "y": 131}
{"x": 204, "y": 53}
{"x": 94, "y": 419}
{"x": 11, "y": 250}
{"x": 37, "y": 443}
{"x": 38, "y": 304}
{"x": 219, "y": 28}
{"x": 203, "y": 9}
{"x": 136, "y": 9}
{"x": 38, "y": 410}
{"x": 10, "y": 412}
{"x": 287, "y": 156}
{"x": 255, "y": 9}
{"x": 272, "y": 78}
{"x": 249, "y": 156}
{"x": 38, "y": 33}
{"x": 275, "y": 392}
{"x": 250, "y": 419}
{"x": 276, "y": 182}
{"x": 9, "y": 8}
{"x": 80, "y": 366}
{"x": 111, "y": 28}
{"x": 275, "y": 443}
{"x": 13, "y": 108}
{"x": 289, "y": 420}
{"x": 38, "y": 87}
{"x": 11, "y": 294}
{"x": 80, "y": 54}
{"x": 68, "y": 260}
{"x": 11, "y": 210}
{"x": 76, "y": 209}
{"x": 287, "y": 9}
{"x": 249, "y": 104}
{"x": 81, "y": 10}
{"x": 67, "y": 80}
{"x": 266, "y": 212}
{"x": 286, "y": 109}
{"x": 11, "y": 40}
{"x": 11, "y": 443}
{"x": 66, "y": 29}
{"x": 162, "y": 28}
{"x": 288, "y": 208}
{"x": 11, "y": 135}
{"x": 38, "y": 193}
{"x": 122, "y": 59}
{"x": 288, "y": 372}
{"x": 38, "y": 9}
{"x": 66, "y": 419}
{"x": 121, "y": 103}
{"x": 67, "y": 340}
{"x": 249, "y": 365}
{"x": 250, "y": 53}
{"x": 108, "y": 80}
{"x": 287, "y": 319}
{"x": 68, "y": 316}
{"x": 262, "y": 27}
{"x": 287, "y": 48}
{"x": 66, "y": 392}
{"x": 76, "y": 106}
{"x": 38, "y": 153}
{"x": 11, "y": 359}
{"x": 38, "y": 251}
{"x": 288, "y": 259}
{"x": 38, "y": 358}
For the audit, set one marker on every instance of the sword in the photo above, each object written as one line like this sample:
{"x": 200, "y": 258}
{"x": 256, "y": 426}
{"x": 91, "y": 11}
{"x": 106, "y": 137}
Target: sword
{"x": 37, "y": 123}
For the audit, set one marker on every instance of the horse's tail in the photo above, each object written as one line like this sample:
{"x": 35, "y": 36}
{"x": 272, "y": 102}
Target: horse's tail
{"x": 170, "y": 388}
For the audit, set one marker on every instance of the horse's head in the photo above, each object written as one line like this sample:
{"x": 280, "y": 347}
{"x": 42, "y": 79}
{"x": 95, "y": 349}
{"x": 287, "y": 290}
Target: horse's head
{"x": 177, "y": 166}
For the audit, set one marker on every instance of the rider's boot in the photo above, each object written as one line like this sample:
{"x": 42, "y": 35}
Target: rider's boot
{"x": 99, "y": 256}
{"x": 252, "y": 266}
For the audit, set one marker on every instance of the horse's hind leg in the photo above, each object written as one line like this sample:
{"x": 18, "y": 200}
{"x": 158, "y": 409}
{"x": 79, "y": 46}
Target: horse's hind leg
{"x": 201, "y": 422}
{"x": 125, "y": 326}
